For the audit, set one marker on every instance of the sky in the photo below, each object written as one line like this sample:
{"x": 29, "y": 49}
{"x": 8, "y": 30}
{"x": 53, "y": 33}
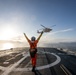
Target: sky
{"x": 25, "y": 16}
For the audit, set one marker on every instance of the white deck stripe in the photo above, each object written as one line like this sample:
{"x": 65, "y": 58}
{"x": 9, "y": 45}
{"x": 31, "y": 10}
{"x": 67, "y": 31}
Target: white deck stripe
{"x": 42, "y": 67}
{"x": 3, "y": 68}
{"x": 7, "y": 71}
{"x": 52, "y": 64}
{"x": 14, "y": 65}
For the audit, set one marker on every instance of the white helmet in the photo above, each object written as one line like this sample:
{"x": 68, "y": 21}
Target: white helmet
{"x": 33, "y": 38}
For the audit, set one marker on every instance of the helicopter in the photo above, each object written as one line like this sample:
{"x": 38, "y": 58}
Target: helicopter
{"x": 45, "y": 29}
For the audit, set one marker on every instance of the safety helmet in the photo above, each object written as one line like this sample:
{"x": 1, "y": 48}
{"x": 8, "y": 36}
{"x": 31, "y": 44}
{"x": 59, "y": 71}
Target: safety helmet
{"x": 33, "y": 38}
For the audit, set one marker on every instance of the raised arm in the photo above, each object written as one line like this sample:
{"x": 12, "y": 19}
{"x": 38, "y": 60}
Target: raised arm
{"x": 39, "y": 36}
{"x": 26, "y": 37}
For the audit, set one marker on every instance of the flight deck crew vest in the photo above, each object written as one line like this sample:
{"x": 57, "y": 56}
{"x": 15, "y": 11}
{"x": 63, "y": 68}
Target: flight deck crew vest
{"x": 33, "y": 48}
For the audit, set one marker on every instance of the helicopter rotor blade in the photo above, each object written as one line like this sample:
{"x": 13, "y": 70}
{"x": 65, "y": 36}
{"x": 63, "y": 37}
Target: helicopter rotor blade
{"x": 43, "y": 26}
{"x": 53, "y": 25}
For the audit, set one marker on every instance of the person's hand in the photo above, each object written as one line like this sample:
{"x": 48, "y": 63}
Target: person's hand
{"x": 42, "y": 32}
{"x": 24, "y": 33}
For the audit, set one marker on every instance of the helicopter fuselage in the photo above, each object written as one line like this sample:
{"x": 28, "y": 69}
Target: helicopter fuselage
{"x": 44, "y": 29}
{"x": 47, "y": 30}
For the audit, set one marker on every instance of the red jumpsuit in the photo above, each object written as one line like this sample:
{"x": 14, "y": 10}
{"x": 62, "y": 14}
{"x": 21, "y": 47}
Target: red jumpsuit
{"x": 33, "y": 46}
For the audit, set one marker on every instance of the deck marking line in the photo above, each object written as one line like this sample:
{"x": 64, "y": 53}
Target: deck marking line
{"x": 42, "y": 67}
{"x": 14, "y": 65}
{"x": 65, "y": 70}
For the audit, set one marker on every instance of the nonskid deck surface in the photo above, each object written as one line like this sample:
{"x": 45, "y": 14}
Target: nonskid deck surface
{"x": 50, "y": 61}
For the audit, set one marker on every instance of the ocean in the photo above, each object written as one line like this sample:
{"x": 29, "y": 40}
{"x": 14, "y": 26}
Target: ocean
{"x": 4, "y": 46}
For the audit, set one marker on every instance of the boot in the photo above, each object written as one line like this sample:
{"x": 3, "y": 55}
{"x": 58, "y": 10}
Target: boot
{"x": 33, "y": 69}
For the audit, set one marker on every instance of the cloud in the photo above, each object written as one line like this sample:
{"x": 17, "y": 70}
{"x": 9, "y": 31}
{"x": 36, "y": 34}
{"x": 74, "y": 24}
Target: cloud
{"x": 62, "y": 31}
{"x": 52, "y": 39}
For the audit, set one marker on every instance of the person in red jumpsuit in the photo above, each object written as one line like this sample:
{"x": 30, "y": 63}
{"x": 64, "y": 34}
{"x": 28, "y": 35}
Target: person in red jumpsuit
{"x": 33, "y": 49}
